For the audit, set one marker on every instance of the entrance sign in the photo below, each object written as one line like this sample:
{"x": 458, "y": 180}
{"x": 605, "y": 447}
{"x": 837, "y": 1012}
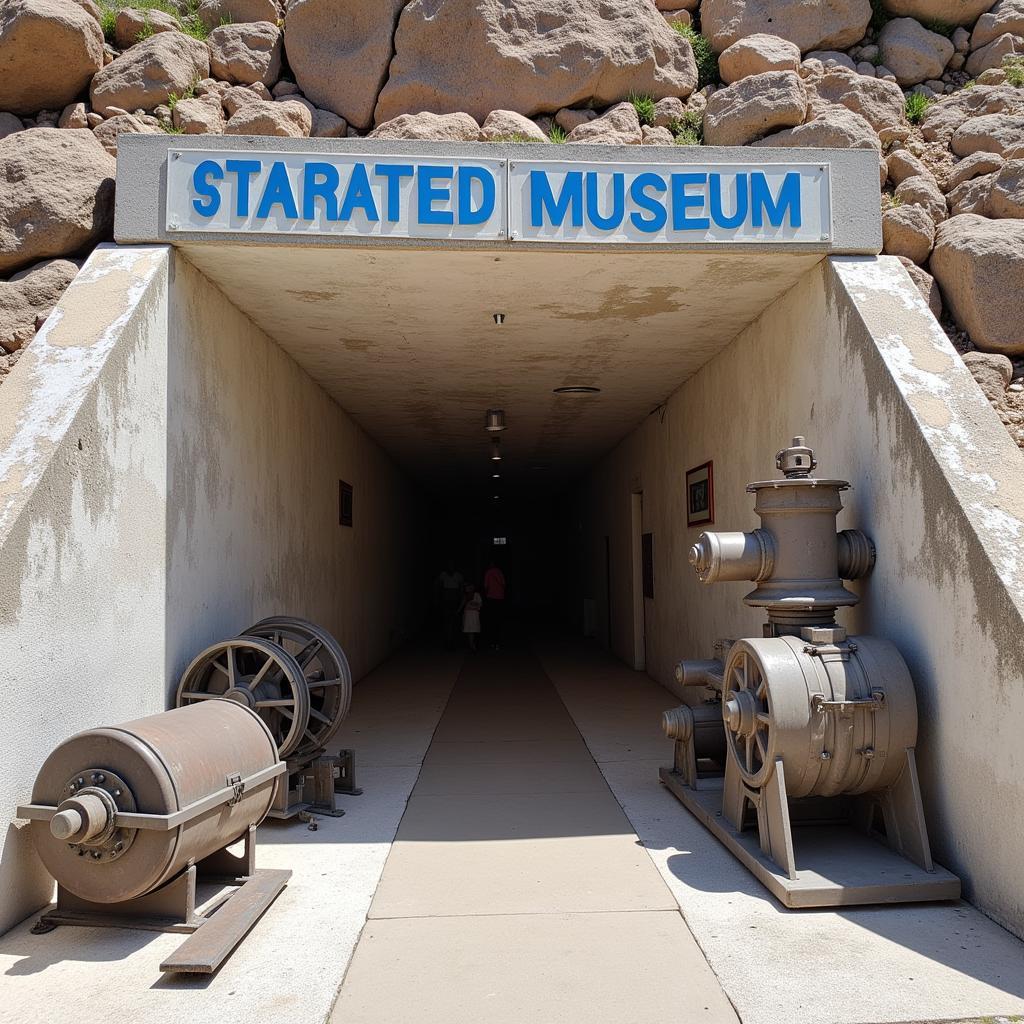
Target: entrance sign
{"x": 566, "y": 201}
{"x": 335, "y": 194}
{"x": 469, "y": 198}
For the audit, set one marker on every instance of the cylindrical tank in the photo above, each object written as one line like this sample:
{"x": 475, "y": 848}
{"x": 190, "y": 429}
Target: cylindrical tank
{"x": 840, "y": 716}
{"x": 156, "y": 765}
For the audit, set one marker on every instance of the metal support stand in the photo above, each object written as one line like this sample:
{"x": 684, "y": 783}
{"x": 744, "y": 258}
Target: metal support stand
{"x": 313, "y": 784}
{"x": 172, "y": 908}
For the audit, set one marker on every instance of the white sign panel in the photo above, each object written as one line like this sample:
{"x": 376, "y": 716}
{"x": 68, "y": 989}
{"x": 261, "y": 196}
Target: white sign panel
{"x": 565, "y": 201}
{"x": 335, "y": 194}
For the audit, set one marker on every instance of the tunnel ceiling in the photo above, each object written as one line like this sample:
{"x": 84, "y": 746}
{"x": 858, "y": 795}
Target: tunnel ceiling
{"x": 405, "y": 340}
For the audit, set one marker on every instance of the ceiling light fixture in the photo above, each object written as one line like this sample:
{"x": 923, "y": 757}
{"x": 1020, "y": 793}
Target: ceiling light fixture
{"x": 495, "y": 476}
{"x": 577, "y": 389}
{"x": 495, "y": 450}
{"x": 494, "y": 421}
{"x": 499, "y": 318}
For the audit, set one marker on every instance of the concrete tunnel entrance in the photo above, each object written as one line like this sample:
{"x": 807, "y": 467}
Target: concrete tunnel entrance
{"x": 278, "y": 410}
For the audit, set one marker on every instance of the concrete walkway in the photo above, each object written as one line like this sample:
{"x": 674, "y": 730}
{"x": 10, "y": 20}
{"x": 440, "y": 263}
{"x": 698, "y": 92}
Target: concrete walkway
{"x": 516, "y": 889}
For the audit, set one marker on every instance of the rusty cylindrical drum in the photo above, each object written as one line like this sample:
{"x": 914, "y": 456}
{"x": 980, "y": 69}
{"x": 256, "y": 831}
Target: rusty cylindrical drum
{"x": 194, "y": 779}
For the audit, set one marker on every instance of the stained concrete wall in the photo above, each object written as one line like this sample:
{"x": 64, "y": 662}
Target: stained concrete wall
{"x": 851, "y": 358}
{"x": 167, "y": 477}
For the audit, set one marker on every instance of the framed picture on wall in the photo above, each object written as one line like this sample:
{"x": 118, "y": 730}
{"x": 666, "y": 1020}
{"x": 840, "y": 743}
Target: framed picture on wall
{"x": 700, "y": 495}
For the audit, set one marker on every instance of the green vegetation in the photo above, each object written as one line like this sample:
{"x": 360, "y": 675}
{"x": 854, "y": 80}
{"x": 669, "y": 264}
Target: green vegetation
{"x": 707, "y": 62}
{"x": 688, "y": 131}
{"x": 880, "y": 17}
{"x": 187, "y": 16}
{"x": 644, "y": 107}
{"x": 1014, "y": 68}
{"x": 916, "y": 106}
{"x": 557, "y": 134}
{"x": 189, "y": 94}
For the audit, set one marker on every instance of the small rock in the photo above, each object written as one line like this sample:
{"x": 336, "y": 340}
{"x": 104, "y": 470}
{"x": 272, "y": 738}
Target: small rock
{"x": 881, "y": 104}
{"x": 262, "y": 91}
{"x": 756, "y": 54}
{"x": 9, "y": 124}
{"x": 990, "y": 133}
{"x": 74, "y": 115}
{"x": 754, "y": 107}
{"x": 246, "y": 53}
{"x": 833, "y": 59}
{"x": 971, "y": 167}
{"x": 961, "y": 40}
{"x": 682, "y": 17}
{"x": 668, "y": 111}
{"x": 199, "y": 116}
{"x": 992, "y": 371}
{"x": 28, "y": 297}
{"x": 239, "y": 96}
{"x": 866, "y": 69}
{"x": 994, "y": 76}
{"x": 436, "y": 127}
{"x": 912, "y": 51}
{"x": 956, "y": 62}
{"x": 972, "y": 196}
{"x": 286, "y": 119}
{"x": 925, "y": 285}
{"x": 108, "y": 132}
{"x": 656, "y": 136}
{"x": 327, "y": 125}
{"x": 902, "y": 164}
{"x": 569, "y": 118}
{"x": 908, "y": 231}
{"x": 1007, "y": 198}
{"x": 94, "y": 119}
{"x": 213, "y": 13}
{"x": 131, "y": 23}
{"x": 617, "y": 126}
{"x": 508, "y": 126}
{"x": 923, "y": 191}
{"x": 284, "y": 88}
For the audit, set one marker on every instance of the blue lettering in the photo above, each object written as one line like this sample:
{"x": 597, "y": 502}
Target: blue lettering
{"x": 594, "y": 215}
{"x": 717, "y": 213}
{"x": 359, "y": 196}
{"x": 683, "y": 203}
{"x": 637, "y": 192}
{"x": 427, "y": 195}
{"x": 278, "y": 192}
{"x": 762, "y": 201}
{"x": 394, "y": 174}
{"x": 466, "y": 177}
{"x": 243, "y": 170}
{"x": 201, "y": 186}
{"x": 326, "y": 189}
{"x": 570, "y": 200}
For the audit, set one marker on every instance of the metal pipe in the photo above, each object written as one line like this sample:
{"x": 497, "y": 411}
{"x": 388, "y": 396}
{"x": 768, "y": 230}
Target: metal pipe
{"x": 735, "y": 556}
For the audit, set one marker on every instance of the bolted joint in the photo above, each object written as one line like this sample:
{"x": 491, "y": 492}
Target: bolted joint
{"x": 856, "y": 554}
{"x": 719, "y": 557}
{"x": 677, "y": 723}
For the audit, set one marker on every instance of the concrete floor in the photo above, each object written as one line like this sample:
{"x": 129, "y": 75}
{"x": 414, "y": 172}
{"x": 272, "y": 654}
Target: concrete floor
{"x": 536, "y": 877}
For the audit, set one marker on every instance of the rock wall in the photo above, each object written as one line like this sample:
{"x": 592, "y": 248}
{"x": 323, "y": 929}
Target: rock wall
{"x": 935, "y": 87}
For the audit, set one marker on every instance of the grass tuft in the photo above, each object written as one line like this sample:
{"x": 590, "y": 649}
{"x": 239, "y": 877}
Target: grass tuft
{"x": 557, "y": 134}
{"x": 689, "y": 130}
{"x": 644, "y": 107}
{"x": 1014, "y": 68}
{"x": 187, "y": 16}
{"x": 707, "y": 62}
{"x": 916, "y": 106}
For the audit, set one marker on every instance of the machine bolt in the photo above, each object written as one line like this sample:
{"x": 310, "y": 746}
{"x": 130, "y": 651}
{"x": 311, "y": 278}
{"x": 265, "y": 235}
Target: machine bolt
{"x": 96, "y": 855}
{"x": 867, "y": 753}
{"x": 81, "y": 852}
{"x": 118, "y": 846}
{"x": 826, "y": 756}
{"x": 117, "y": 792}
{"x": 81, "y": 782}
{"x": 99, "y": 777}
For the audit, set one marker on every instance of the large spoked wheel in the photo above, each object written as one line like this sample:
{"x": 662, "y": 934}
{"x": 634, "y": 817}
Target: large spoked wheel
{"x": 259, "y": 674}
{"x": 325, "y": 667}
{"x": 747, "y": 713}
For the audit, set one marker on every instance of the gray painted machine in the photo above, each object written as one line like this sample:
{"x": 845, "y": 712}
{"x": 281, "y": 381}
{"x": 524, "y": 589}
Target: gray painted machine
{"x": 806, "y": 734}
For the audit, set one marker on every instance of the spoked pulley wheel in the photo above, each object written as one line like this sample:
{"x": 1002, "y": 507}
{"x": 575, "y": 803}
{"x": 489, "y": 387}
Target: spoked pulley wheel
{"x": 747, "y": 713}
{"x": 258, "y": 673}
{"x": 326, "y": 671}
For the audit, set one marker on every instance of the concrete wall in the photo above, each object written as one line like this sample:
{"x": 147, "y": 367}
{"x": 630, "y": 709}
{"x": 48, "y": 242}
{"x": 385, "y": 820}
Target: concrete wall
{"x": 851, "y": 358}
{"x": 82, "y": 489}
{"x": 167, "y": 477}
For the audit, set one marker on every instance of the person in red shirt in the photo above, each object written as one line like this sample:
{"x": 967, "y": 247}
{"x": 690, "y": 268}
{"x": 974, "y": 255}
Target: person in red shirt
{"x": 494, "y": 607}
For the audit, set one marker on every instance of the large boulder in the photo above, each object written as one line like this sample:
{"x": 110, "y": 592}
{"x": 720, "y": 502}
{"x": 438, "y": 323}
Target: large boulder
{"x": 130, "y": 23}
{"x": 148, "y": 74}
{"x": 908, "y": 231}
{"x": 339, "y": 52}
{"x": 531, "y": 56}
{"x": 811, "y": 24}
{"x": 922, "y": 190}
{"x": 236, "y": 12}
{"x": 283, "y": 118}
{"x": 754, "y": 107}
{"x": 1005, "y": 16}
{"x": 618, "y": 126}
{"x": 912, "y": 52}
{"x": 756, "y": 54}
{"x": 1007, "y": 198}
{"x": 203, "y": 116}
{"x": 122, "y": 124}
{"x": 61, "y": 195}
{"x": 457, "y": 127}
{"x": 992, "y": 55}
{"x": 880, "y": 103}
{"x": 27, "y": 299}
{"x": 49, "y": 49}
{"x": 949, "y": 12}
{"x": 990, "y": 133}
{"x": 972, "y": 196}
{"x": 246, "y": 53}
{"x": 979, "y": 264}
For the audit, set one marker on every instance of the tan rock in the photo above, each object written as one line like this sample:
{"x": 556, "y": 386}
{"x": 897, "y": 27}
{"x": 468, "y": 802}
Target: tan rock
{"x": 28, "y": 297}
{"x": 990, "y": 133}
{"x": 925, "y": 285}
{"x": 108, "y": 132}
{"x": 1006, "y": 16}
{"x": 246, "y": 53}
{"x": 586, "y": 54}
{"x": 908, "y": 231}
{"x": 567, "y": 118}
{"x": 456, "y": 127}
{"x": 284, "y": 118}
{"x": 239, "y": 96}
{"x": 880, "y": 103}
{"x": 49, "y": 49}
{"x": 754, "y": 107}
{"x": 1007, "y": 198}
{"x": 163, "y": 65}
{"x": 339, "y": 52}
{"x": 508, "y": 126}
{"x": 680, "y": 17}
{"x": 74, "y": 115}
{"x": 130, "y": 23}
{"x": 655, "y": 135}
{"x": 199, "y": 116}
{"x": 237, "y": 12}
{"x": 677, "y": 5}
{"x": 950, "y": 12}
{"x": 912, "y": 52}
{"x": 833, "y": 59}
{"x": 972, "y": 167}
{"x": 327, "y": 125}
{"x": 992, "y": 55}
{"x": 972, "y": 196}
{"x": 922, "y": 190}
{"x": 756, "y": 54}
{"x": 902, "y": 164}
{"x": 285, "y": 88}
{"x": 824, "y": 25}
{"x": 992, "y": 372}
{"x": 617, "y": 126}
{"x": 63, "y": 201}
{"x": 979, "y": 264}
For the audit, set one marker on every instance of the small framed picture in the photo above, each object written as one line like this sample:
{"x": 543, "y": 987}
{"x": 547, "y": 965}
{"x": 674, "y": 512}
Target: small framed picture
{"x": 700, "y": 495}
